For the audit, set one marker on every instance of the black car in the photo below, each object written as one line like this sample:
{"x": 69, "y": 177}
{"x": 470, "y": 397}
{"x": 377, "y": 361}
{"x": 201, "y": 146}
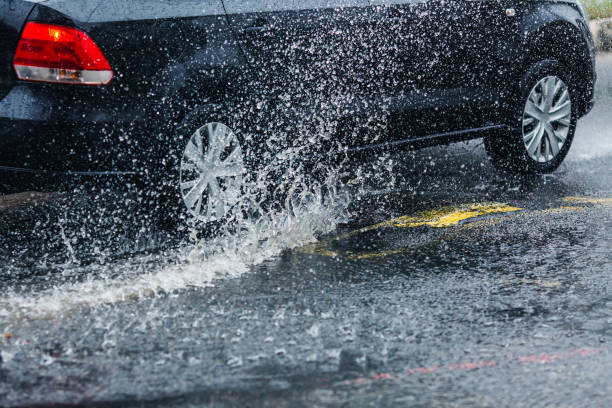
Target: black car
{"x": 200, "y": 94}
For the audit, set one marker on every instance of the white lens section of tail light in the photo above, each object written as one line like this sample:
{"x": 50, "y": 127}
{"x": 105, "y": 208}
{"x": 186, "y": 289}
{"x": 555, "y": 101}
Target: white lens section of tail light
{"x": 64, "y": 76}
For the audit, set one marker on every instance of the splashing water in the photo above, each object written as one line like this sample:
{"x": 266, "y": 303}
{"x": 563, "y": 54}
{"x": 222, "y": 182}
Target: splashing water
{"x": 309, "y": 209}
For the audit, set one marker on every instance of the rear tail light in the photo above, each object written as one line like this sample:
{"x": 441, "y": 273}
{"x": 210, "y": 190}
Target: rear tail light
{"x": 52, "y": 53}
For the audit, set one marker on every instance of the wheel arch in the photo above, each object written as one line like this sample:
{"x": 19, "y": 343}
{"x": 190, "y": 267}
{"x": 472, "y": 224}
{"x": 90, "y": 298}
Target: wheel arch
{"x": 558, "y": 31}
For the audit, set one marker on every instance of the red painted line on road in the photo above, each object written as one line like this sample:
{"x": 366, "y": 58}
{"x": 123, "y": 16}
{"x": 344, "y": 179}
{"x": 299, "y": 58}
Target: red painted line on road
{"x": 546, "y": 358}
{"x": 541, "y": 358}
{"x": 472, "y": 366}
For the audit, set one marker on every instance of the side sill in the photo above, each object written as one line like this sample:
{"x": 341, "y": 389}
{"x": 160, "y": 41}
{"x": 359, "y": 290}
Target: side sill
{"x": 433, "y": 139}
{"x": 68, "y": 173}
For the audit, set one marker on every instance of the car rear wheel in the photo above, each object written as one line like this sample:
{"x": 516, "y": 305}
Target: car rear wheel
{"x": 544, "y": 126}
{"x": 198, "y": 177}
{"x": 212, "y": 173}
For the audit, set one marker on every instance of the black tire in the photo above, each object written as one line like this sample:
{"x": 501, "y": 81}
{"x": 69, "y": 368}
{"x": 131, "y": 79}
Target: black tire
{"x": 506, "y": 149}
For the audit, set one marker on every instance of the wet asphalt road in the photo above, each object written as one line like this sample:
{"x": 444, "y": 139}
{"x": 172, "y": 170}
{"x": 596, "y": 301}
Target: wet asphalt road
{"x": 443, "y": 283}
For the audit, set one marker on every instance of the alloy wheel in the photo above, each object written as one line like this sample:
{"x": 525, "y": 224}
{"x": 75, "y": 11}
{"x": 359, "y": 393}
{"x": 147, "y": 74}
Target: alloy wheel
{"x": 211, "y": 174}
{"x": 547, "y": 119}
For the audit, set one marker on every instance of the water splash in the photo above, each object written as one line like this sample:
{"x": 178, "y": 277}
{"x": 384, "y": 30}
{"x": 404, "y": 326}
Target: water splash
{"x": 254, "y": 235}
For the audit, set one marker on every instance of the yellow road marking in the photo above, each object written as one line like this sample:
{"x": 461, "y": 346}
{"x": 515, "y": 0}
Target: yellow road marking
{"x": 587, "y": 200}
{"x": 447, "y": 217}
{"x": 380, "y": 254}
{"x": 327, "y": 252}
{"x": 319, "y": 248}
{"x": 439, "y": 218}
{"x": 444, "y": 217}
{"x": 555, "y": 210}
{"x": 476, "y": 210}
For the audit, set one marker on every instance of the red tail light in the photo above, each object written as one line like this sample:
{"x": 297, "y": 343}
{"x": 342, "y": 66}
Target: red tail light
{"x": 51, "y": 53}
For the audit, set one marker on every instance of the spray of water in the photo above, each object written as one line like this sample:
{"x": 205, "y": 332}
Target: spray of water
{"x": 254, "y": 233}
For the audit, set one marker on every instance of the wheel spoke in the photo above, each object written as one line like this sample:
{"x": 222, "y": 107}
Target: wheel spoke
{"x": 536, "y": 141}
{"x": 189, "y": 184}
{"x": 528, "y": 120}
{"x": 561, "y": 112}
{"x": 210, "y": 129}
{"x": 552, "y": 140}
{"x": 198, "y": 142}
{"x": 529, "y": 136}
{"x": 188, "y": 166}
{"x": 213, "y": 144}
{"x": 532, "y": 109}
{"x": 549, "y": 88}
{"x": 558, "y": 85}
{"x": 563, "y": 122}
{"x": 194, "y": 193}
{"x": 235, "y": 156}
{"x": 220, "y": 209}
{"x": 229, "y": 170}
{"x": 540, "y": 96}
{"x": 546, "y": 144}
{"x": 560, "y": 135}
{"x": 560, "y": 106}
{"x": 198, "y": 207}
{"x": 533, "y": 97}
{"x": 215, "y": 199}
{"x": 209, "y": 207}
{"x": 192, "y": 153}
{"x": 222, "y": 139}
{"x": 562, "y": 99}
{"x": 225, "y": 137}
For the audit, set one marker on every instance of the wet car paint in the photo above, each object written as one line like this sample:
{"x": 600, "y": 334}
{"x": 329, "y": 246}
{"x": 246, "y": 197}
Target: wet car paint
{"x": 341, "y": 62}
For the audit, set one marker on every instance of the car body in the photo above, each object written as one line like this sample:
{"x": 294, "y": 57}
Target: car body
{"x": 432, "y": 71}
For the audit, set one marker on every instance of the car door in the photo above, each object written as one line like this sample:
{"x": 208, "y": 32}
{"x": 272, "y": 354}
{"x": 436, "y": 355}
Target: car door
{"x": 402, "y": 43}
{"x": 495, "y": 38}
{"x": 297, "y": 45}
{"x": 444, "y": 64}
{"x": 305, "y": 54}
{"x": 415, "y": 42}
{"x": 474, "y": 36}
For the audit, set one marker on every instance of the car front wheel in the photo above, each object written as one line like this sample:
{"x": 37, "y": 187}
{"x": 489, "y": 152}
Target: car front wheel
{"x": 544, "y": 125}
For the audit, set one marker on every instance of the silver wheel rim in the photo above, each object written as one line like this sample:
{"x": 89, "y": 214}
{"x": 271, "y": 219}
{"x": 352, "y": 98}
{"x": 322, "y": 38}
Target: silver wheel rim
{"x": 547, "y": 119}
{"x": 212, "y": 170}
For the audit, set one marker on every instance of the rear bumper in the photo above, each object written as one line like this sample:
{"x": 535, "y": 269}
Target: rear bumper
{"x": 46, "y": 130}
